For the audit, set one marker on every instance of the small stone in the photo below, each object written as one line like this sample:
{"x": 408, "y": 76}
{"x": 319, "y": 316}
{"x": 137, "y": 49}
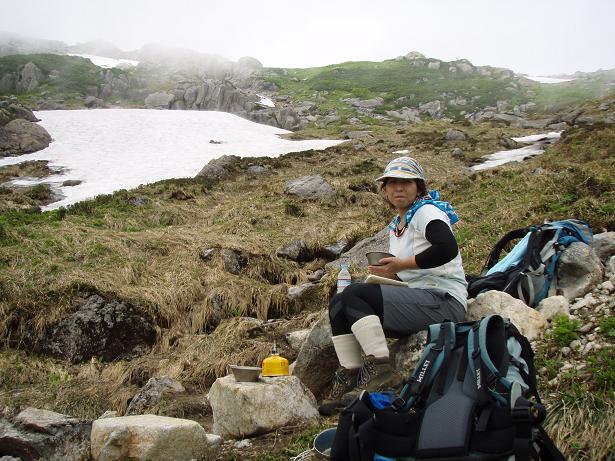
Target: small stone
{"x": 607, "y": 286}
{"x": 316, "y": 275}
{"x": 245, "y": 443}
{"x": 575, "y": 345}
{"x": 553, "y": 381}
{"x": 586, "y": 328}
{"x": 588, "y": 347}
{"x": 108, "y": 414}
{"x": 565, "y": 351}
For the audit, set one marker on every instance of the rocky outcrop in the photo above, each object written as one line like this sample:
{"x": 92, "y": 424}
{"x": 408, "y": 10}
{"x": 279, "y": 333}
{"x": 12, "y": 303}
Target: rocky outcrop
{"x": 18, "y": 134}
{"x": 225, "y": 96}
{"x": 152, "y": 438}
{"x": 243, "y": 409}
{"x": 20, "y": 137}
{"x": 35, "y": 434}
{"x": 99, "y": 328}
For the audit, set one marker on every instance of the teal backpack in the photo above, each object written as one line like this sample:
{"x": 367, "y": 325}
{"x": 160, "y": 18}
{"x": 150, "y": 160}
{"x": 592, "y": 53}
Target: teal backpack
{"x": 527, "y": 272}
{"x": 472, "y": 396}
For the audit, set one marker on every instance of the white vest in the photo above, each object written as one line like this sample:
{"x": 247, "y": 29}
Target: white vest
{"x": 449, "y": 277}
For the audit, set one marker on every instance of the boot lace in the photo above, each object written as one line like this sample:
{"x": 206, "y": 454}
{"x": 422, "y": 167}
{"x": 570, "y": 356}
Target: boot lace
{"x": 367, "y": 372}
{"x": 341, "y": 383}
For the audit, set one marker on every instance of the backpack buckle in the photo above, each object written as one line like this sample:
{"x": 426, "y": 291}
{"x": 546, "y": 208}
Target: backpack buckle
{"x": 398, "y": 403}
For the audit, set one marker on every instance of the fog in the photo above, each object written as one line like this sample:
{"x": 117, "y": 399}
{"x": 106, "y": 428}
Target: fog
{"x": 535, "y": 37}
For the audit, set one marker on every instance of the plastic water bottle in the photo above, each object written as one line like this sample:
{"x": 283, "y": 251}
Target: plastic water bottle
{"x": 343, "y": 278}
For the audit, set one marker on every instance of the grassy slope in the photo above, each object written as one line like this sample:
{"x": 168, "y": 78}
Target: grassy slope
{"x": 64, "y": 77}
{"x": 148, "y": 255}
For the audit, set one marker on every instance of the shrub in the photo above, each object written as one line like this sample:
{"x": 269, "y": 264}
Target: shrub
{"x": 564, "y": 330}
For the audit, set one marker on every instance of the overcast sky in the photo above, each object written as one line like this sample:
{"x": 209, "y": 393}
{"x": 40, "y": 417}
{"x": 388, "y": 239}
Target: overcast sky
{"x": 538, "y": 37}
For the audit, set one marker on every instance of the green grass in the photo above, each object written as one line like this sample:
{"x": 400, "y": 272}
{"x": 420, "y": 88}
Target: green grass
{"x": 564, "y": 330}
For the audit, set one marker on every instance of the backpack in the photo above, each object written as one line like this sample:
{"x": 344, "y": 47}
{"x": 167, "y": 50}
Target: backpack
{"x": 527, "y": 272}
{"x": 472, "y": 396}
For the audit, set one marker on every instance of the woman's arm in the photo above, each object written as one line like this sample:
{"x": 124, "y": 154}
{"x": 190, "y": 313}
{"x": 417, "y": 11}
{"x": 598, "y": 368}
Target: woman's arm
{"x": 442, "y": 250}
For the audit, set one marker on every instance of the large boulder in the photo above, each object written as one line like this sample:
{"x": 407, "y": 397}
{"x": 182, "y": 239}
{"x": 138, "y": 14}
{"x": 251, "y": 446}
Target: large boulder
{"x": 20, "y": 136}
{"x": 28, "y": 78}
{"x": 455, "y": 135}
{"x": 312, "y": 187}
{"x": 316, "y": 361}
{"x": 151, "y": 438}
{"x": 41, "y": 434}
{"x": 99, "y": 328}
{"x": 578, "y": 270}
{"x": 159, "y": 100}
{"x": 219, "y": 168}
{"x": 242, "y": 409}
{"x": 604, "y": 245}
{"x": 529, "y": 321}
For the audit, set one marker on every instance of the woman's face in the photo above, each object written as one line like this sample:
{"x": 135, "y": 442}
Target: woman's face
{"x": 401, "y": 193}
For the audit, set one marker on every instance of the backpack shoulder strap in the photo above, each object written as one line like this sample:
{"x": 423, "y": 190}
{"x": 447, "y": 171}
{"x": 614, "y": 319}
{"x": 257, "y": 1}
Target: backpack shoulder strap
{"x": 494, "y": 256}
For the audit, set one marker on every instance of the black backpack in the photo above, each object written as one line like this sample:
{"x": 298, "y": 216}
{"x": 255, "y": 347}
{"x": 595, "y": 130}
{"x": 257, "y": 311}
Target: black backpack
{"x": 528, "y": 270}
{"x": 472, "y": 396}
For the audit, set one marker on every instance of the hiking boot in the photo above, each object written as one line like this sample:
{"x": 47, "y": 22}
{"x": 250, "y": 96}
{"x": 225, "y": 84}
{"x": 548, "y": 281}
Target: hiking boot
{"x": 377, "y": 375}
{"x": 343, "y": 381}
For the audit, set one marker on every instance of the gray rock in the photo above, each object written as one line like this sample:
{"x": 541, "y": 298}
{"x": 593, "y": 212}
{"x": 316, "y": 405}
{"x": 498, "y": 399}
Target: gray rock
{"x": 529, "y": 321}
{"x": 558, "y": 126}
{"x": 159, "y": 100}
{"x": 207, "y": 254}
{"x": 433, "y": 108}
{"x": 93, "y": 102}
{"x": 234, "y": 261}
{"x": 356, "y": 255}
{"x": 535, "y": 124}
{"x": 18, "y": 111}
{"x": 42, "y": 434}
{"x": 316, "y": 275}
{"x": 150, "y": 394}
{"x": 357, "y": 134}
{"x": 553, "y": 306}
{"x": 257, "y": 170}
{"x": 243, "y": 409}
{"x": 28, "y": 78}
{"x": 458, "y": 153}
{"x": 295, "y": 250}
{"x": 507, "y": 119}
{"x": 584, "y": 120}
{"x": 99, "y": 328}
{"x": 508, "y": 143}
{"x": 297, "y": 338}
{"x": 604, "y": 244}
{"x": 405, "y": 352}
{"x": 455, "y": 135}
{"x": 578, "y": 270}
{"x": 316, "y": 362}
{"x": 303, "y": 297}
{"x": 20, "y": 136}
{"x": 334, "y": 251}
{"x": 219, "y": 168}
{"x": 312, "y": 187}
{"x": 368, "y": 103}
{"x": 152, "y": 438}
{"x": 71, "y": 182}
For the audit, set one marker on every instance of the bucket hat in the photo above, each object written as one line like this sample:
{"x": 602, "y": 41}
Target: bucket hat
{"x": 404, "y": 168}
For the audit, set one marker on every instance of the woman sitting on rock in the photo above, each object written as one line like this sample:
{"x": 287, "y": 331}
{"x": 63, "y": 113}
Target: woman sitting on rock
{"x": 426, "y": 258}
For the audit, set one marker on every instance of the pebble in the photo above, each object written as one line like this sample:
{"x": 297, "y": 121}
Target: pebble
{"x": 245, "y": 443}
{"x": 586, "y": 328}
{"x": 578, "y": 305}
{"x": 575, "y": 345}
{"x": 588, "y": 347}
{"x": 565, "y": 351}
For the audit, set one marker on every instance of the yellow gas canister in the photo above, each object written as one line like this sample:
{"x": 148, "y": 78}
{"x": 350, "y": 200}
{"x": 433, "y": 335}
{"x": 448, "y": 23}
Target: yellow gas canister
{"x": 274, "y": 365}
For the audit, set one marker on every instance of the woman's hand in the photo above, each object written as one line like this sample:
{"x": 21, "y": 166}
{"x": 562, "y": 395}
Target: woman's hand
{"x": 389, "y": 267}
